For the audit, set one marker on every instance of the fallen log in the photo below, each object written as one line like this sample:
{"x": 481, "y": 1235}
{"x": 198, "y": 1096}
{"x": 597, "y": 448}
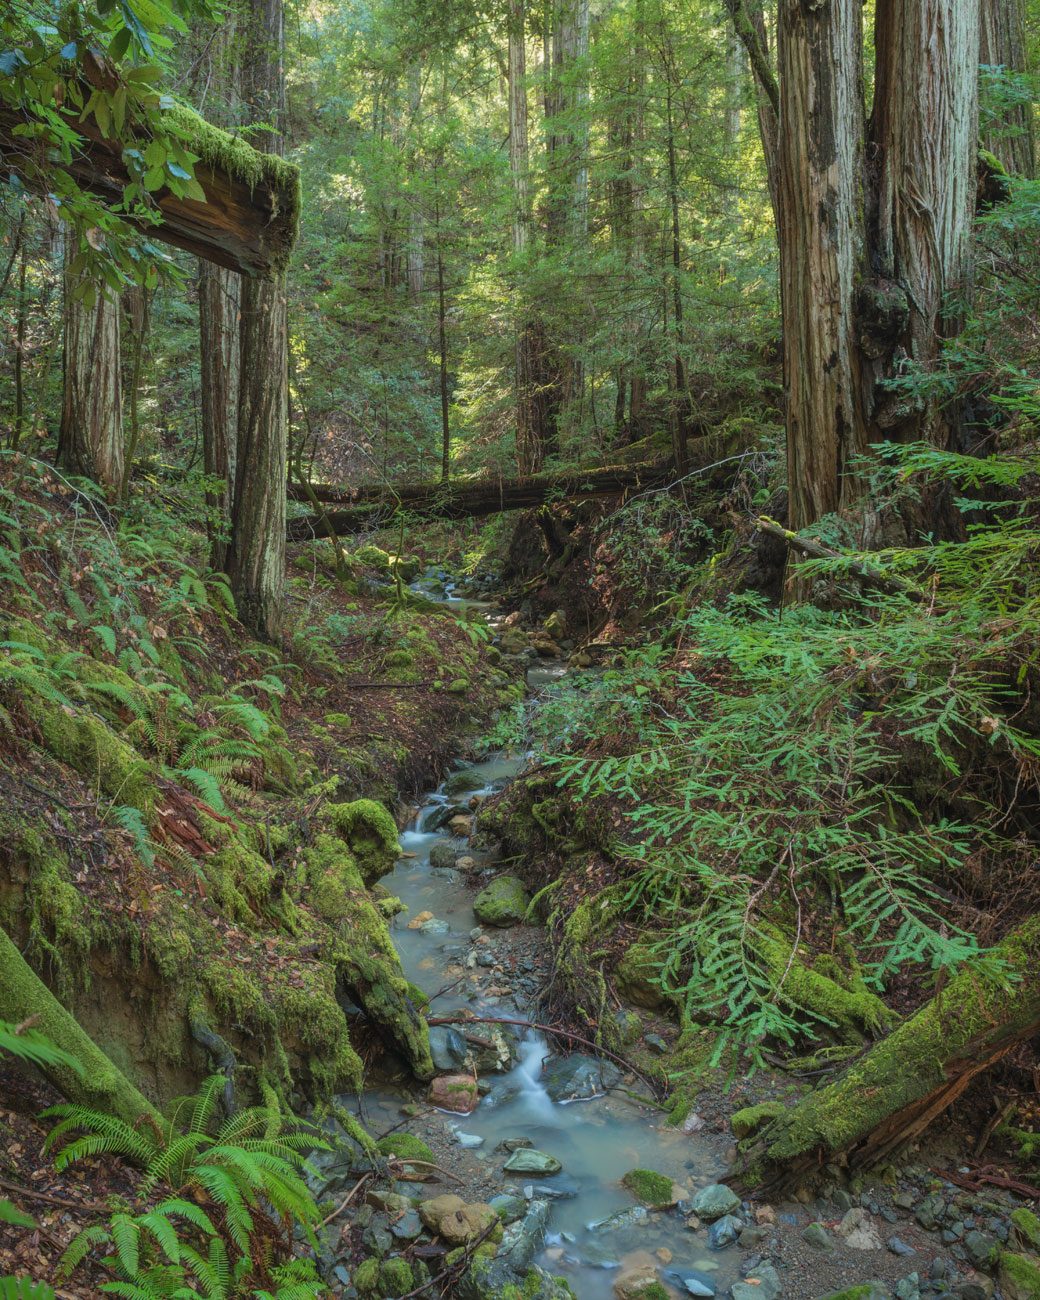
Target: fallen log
{"x": 249, "y": 220}
{"x": 896, "y": 1089}
{"x": 368, "y": 504}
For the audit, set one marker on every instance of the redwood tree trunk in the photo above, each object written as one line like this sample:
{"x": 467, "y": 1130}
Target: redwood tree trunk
{"x": 1002, "y": 44}
{"x": 90, "y": 440}
{"x": 820, "y": 209}
{"x": 256, "y": 554}
{"x": 219, "y": 304}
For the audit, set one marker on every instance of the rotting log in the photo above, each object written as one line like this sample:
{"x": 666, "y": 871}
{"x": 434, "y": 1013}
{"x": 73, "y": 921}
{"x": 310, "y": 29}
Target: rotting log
{"x": 469, "y": 500}
{"x": 896, "y": 1089}
{"x": 249, "y": 220}
{"x": 101, "y": 1085}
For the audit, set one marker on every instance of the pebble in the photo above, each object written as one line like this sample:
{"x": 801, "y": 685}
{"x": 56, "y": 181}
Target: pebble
{"x": 899, "y": 1247}
{"x": 469, "y": 1139}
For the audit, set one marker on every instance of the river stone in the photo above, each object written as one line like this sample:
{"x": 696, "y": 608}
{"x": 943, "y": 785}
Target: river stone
{"x": 564, "y": 1189}
{"x": 442, "y": 856}
{"x": 509, "y": 1208}
{"x": 454, "y": 1092}
{"x": 929, "y": 1211}
{"x": 724, "y": 1231}
{"x": 577, "y": 1077}
{"x": 503, "y": 902}
{"x": 692, "y": 1281}
{"x": 763, "y": 1283}
{"x": 979, "y": 1248}
{"x": 714, "y": 1201}
{"x": 434, "y": 926}
{"x": 899, "y": 1247}
{"x": 621, "y": 1221}
{"x": 817, "y": 1236}
{"x": 447, "y": 1047}
{"x": 654, "y": 1190}
{"x": 858, "y": 1231}
{"x": 529, "y": 1161}
{"x": 464, "y": 782}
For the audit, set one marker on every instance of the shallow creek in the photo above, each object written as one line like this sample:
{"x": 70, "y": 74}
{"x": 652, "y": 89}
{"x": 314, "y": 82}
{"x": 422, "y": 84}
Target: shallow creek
{"x": 597, "y": 1139}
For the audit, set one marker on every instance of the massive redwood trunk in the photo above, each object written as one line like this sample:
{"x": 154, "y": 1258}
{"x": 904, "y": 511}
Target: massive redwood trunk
{"x": 1003, "y": 45}
{"x": 90, "y": 440}
{"x": 874, "y": 241}
{"x": 219, "y": 303}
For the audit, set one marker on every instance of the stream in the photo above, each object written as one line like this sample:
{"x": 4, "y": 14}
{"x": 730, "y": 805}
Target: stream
{"x": 596, "y": 1226}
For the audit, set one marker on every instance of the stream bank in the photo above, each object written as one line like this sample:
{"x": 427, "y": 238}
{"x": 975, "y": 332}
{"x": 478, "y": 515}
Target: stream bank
{"x": 546, "y": 1139}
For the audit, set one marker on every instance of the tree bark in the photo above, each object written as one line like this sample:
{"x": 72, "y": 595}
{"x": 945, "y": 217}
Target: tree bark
{"x": 256, "y": 553}
{"x": 220, "y": 338}
{"x": 894, "y": 1092}
{"x": 820, "y": 170}
{"x": 1002, "y": 44}
{"x": 90, "y": 439}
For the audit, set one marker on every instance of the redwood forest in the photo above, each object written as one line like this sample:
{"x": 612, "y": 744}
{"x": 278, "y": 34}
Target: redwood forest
{"x": 519, "y": 649}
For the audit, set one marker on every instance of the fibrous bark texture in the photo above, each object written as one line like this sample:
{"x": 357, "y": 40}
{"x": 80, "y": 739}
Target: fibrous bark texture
{"x": 219, "y": 304}
{"x": 90, "y": 441}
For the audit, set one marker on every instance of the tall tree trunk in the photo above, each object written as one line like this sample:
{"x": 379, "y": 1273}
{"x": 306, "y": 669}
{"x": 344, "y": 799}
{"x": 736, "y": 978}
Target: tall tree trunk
{"x": 1002, "y": 44}
{"x": 415, "y": 219}
{"x": 219, "y": 302}
{"x": 442, "y": 343}
{"x": 529, "y": 446}
{"x": 820, "y": 168}
{"x": 874, "y": 245}
{"x": 680, "y": 405}
{"x": 90, "y": 440}
{"x": 220, "y": 337}
{"x": 256, "y": 555}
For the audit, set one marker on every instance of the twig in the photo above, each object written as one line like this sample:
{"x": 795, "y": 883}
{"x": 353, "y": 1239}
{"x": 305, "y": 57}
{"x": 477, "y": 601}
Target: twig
{"x": 346, "y": 1200}
{"x": 997, "y": 1118}
{"x": 548, "y": 1029}
{"x": 18, "y": 1189}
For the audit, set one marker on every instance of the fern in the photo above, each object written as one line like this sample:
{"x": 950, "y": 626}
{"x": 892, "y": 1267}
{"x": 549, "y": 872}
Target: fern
{"x": 13, "y": 1288}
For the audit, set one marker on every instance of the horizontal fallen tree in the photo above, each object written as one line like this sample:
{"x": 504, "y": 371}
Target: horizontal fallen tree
{"x": 368, "y": 505}
{"x": 897, "y": 1088}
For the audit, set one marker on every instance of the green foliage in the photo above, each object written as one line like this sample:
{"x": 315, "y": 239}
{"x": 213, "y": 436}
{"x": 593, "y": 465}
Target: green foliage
{"x": 249, "y": 1172}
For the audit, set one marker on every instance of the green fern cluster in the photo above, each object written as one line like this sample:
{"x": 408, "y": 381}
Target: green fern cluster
{"x": 238, "y": 1197}
{"x": 809, "y": 763}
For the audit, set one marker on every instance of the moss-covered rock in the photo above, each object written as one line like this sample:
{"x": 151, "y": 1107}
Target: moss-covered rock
{"x": 1026, "y": 1229}
{"x": 501, "y": 903}
{"x": 651, "y": 1189}
{"x": 371, "y": 835}
{"x": 366, "y": 1278}
{"x": 406, "y": 1146}
{"x": 1018, "y": 1276}
{"x": 638, "y": 978}
{"x": 395, "y": 1278}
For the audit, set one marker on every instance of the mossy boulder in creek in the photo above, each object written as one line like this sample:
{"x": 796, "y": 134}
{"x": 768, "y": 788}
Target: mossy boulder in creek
{"x": 654, "y": 1190}
{"x": 752, "y": 1118}
{"x": 1025, "y": 1229}
{"x": 458, "y": 1223}
{"x": 371, "y": 836}
{"x": 502, "y": 903}
{"x": 395, "y": 1277}
{"x": 405, "y": 1146}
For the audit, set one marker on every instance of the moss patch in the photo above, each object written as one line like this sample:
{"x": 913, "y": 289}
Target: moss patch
{"x": 650, "y": 1188}
{"x": 406, "y": 1146}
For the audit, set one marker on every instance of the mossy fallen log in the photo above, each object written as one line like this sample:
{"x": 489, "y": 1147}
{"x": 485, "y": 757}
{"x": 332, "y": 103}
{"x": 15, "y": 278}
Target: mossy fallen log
{"x": 894, "y": 1091}
{"x": 23, "y": 996}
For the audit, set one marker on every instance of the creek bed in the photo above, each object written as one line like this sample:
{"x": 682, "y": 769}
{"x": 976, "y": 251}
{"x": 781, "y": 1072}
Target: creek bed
{"x": 597, "y": 1139}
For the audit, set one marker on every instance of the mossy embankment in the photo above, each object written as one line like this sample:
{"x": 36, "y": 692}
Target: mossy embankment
{"x": 192, "y": 823}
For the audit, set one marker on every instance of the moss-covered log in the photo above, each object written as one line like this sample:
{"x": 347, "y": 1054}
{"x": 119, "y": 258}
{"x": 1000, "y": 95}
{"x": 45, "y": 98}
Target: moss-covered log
{"x": 249, "y": 219}
{"x": 24, "y": 996}
{"x": 893, "y": 1092}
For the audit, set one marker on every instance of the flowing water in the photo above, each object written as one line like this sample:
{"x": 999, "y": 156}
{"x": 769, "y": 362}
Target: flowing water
{"x": 597, "y": 1139}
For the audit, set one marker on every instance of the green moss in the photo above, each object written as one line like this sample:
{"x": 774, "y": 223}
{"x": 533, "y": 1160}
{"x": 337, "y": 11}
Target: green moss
{"x": 370, "y": 832}
{"x": 653, "y": 1291}
{"x": 366, "y": 1278}
{"x": 86, "y": 743}
{"x": 398, "y": 659}
{"x": 752, "y": 1118}
{"x": 1026, "y": 1227}
{"x": 341, "y": 720}
{"x": 419, "y": 999}
{"x": 97, "y": 1083}
{"x": 863, "y": 1292}
{"x": 1019, "y": 1277}
{"x": 852, "y": 1010}
{"x": 650, "y": 1188}
{"x": 458, "y": 687}
{"x": 224, "y": 152}
{"x": 395, "y": 1277}
{"x": 406, "y": 1146}
{"x": 638, "y": 977}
